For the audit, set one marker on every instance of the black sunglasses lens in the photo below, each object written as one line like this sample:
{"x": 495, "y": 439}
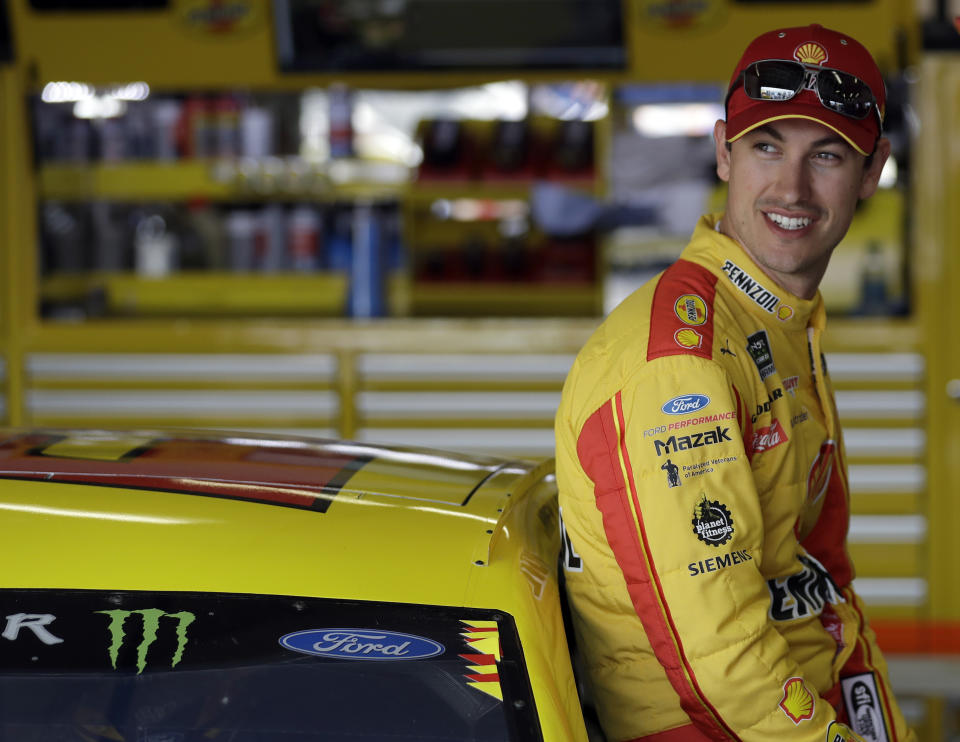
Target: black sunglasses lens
{"x": 773, "y": 80}
{"x": 845, "y": 94}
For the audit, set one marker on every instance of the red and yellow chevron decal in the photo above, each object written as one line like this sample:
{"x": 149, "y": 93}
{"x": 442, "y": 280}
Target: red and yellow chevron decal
{"x": 483, "y": 638}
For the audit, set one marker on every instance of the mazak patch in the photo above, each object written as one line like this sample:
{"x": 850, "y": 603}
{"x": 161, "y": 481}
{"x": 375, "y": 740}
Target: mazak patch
{"x": 758, "y": 345}
{"x": 863, "y": 707}
{"x": 712, "y": 522}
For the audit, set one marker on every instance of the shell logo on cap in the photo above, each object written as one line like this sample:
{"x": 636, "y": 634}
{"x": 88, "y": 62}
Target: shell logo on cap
{"x": 811, "y": 53}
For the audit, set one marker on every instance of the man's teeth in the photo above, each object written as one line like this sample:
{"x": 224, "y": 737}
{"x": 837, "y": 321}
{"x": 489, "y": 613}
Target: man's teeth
{"x": 786, "y": 222}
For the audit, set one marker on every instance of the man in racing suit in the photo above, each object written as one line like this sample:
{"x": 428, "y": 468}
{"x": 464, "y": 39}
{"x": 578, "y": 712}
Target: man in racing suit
{"x": 701, "y": 468}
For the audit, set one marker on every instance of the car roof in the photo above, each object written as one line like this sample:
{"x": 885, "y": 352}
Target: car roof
{"x": 256, "y": 513}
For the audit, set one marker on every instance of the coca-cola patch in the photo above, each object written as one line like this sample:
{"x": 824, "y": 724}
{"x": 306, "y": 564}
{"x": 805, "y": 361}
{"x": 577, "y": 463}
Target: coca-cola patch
{"x": 768, "y": 437}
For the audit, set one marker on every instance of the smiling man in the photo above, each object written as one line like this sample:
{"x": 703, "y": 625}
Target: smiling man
{"x": 700, "y": 462}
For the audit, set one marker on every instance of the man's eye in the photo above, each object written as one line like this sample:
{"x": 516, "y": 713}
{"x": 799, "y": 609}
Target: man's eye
{"x": 827, "y": 156}
{"x": 765, "y": 147}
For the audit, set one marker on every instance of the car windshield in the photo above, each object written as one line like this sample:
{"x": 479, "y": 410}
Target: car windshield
{"x": 184, "y": 667}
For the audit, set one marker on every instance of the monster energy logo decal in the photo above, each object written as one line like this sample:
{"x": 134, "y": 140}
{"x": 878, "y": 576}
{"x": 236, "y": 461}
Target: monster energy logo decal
{"x": 151, "y": 626}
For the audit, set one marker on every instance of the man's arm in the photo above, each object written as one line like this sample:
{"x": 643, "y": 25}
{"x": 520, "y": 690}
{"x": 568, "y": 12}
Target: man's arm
{"x": 683, "y": 565}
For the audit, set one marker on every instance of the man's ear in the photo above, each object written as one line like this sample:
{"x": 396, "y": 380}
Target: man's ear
{"x": 871, "y": 175}
{"x": 723, "y": 153}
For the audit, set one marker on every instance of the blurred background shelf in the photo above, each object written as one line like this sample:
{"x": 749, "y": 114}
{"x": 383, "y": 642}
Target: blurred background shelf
{"x": 205, "y": 293}
{"x": 503, "y": 299}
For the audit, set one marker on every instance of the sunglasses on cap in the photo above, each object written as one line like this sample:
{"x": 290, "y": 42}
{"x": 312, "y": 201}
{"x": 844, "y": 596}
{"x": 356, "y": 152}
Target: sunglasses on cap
{"x": 777, "y": 80}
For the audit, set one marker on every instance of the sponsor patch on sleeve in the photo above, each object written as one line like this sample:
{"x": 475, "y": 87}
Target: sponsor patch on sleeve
{"x": 838, "y": 732}
{"x": 712, "y": 522}
{"x": 863, "y": 707}
{"x": 681, "y": 302}
{"x": 758, "y": 345}
{"x": 797, "y": 702}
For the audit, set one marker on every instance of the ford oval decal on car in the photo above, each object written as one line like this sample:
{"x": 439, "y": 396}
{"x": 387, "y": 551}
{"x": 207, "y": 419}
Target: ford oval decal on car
{"x": 361, "y": 644}
{"x": 685, "y": 403}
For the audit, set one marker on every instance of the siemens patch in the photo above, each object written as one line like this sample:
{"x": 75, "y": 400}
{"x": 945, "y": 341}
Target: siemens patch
{"x": 694, "y": 440}
{"x": 751, "y": 287}
{"x": 714, "y": 564}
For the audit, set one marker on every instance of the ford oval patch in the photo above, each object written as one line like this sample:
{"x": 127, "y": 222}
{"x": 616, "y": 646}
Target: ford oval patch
{"x": 685, "y": 404}
{"x": 361, "y": 644}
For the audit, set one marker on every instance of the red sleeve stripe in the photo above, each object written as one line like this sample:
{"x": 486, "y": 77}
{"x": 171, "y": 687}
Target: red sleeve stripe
{"x": 862, "y": 661}
{"x": 672, "y": 330}
{"x": 828, "y": 539}
{"x": 603, "y": 454}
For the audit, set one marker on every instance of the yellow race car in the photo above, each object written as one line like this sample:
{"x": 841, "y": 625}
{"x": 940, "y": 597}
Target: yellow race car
{"x": 184, "y": 586}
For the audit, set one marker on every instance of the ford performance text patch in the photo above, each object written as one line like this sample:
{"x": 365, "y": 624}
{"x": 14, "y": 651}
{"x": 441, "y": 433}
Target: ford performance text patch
{"x": 361, "y": 644}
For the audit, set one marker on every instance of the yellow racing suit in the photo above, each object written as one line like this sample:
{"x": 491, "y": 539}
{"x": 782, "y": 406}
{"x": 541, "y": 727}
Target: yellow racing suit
{"x": 704, "y": 496}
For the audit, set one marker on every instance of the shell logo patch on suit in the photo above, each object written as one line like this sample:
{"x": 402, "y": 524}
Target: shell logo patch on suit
{"x": 784, "y": 312}
{"x": 688, "y": 338}
{"x": 797, "y": 702}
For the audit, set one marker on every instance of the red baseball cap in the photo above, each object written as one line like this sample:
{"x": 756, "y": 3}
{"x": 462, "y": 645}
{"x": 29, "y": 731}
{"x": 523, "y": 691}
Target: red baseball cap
{"x": 815, "y": 47}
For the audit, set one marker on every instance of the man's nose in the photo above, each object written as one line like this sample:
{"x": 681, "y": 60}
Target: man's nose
{"x": 793, "y": 182}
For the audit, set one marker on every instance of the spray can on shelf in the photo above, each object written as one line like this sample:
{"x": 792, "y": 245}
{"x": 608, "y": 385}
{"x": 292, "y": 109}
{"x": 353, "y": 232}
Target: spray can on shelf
{"x": 366, "y": 274}
{"x": 241, "y": 229}
{"x": 270, "y": 255}
{"x": 340, "y": 101}
{"x": 154, "y": 247}
{"x": 303, "y": 238}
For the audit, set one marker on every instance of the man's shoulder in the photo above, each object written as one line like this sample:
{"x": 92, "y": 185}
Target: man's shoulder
{"x": 671, "y": 316}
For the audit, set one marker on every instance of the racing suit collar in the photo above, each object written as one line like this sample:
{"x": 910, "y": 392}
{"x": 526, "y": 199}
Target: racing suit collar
{"x": 751, "y": 287}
